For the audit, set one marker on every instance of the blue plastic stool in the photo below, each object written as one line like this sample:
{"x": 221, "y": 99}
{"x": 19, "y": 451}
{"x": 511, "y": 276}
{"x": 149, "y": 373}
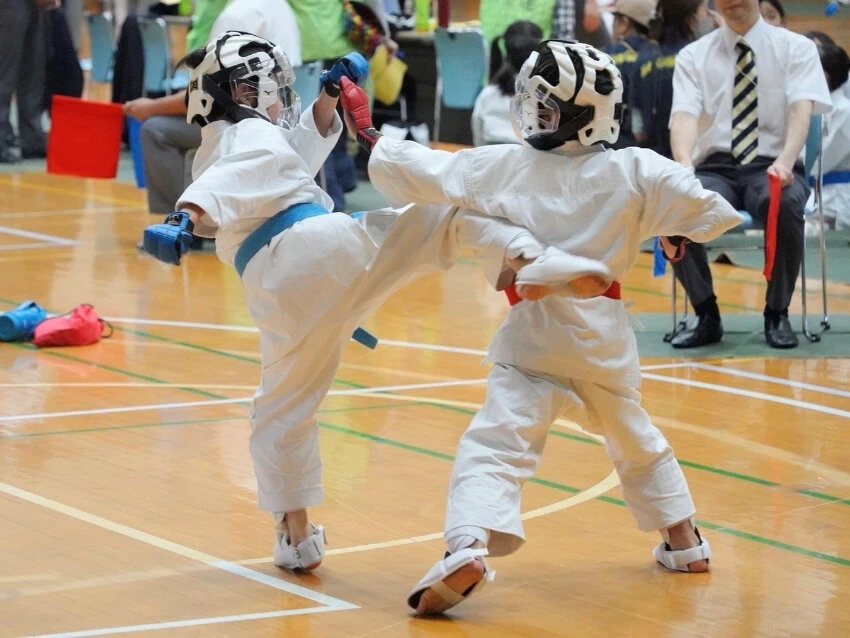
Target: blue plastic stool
{"x": 134, "y": 134}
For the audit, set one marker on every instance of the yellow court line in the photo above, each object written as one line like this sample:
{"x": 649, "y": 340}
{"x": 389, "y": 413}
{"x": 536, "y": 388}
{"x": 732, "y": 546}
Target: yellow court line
{"x": 73, "y": 193}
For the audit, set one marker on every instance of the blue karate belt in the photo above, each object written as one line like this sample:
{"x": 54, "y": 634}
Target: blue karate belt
{"x": 273, "y": 227}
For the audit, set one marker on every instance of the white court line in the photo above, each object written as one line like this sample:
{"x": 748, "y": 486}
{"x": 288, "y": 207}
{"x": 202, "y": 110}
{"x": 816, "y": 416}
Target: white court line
{"x": 132, "y": 408}
{"x": 195, "y": 622}
{"x": 196, "y": 404}
{"x": 410, "y": 386}
{"x": 768, "y": 379}
{"x": 29, "y": 578}
{"x": 147, "y": 386}
{"x": 814, "y": 407}
{"x": 181, "y": 324}
{"x": 384, "y": 342}
{"x": 175, "y": 548}
{"x": 74, "y": 212}
{"x": 608, "y": 483}
{"x": 26, "y": 246}
{"x": 52, "y": 239}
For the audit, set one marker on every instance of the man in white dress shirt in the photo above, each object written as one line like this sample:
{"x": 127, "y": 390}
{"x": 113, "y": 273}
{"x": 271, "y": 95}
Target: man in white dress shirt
{"x": 743, "y": 97}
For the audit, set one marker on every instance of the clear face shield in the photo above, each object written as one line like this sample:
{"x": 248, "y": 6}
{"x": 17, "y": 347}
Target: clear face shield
{"x": 533, "y": 111}
{"x": 266, "y": 88}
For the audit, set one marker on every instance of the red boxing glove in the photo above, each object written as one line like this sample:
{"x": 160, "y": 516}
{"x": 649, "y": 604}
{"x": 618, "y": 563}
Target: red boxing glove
{"x": 355, "y": 102}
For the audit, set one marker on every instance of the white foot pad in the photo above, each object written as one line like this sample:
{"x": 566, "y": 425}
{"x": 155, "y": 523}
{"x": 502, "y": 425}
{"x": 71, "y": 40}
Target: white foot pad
{"x": 308, "y": 552}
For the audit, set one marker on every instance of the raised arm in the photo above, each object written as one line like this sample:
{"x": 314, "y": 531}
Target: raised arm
{"x": 319, "y": 128}
{"x": 404, "y": 171}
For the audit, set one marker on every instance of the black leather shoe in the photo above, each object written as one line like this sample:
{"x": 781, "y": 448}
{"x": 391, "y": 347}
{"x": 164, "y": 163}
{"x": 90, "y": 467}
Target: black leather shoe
{"x": 708, "y": 330}
{"x": 36, "y": 154}
{"x": 8, "y": 156}
{"x": 779, "y": 333}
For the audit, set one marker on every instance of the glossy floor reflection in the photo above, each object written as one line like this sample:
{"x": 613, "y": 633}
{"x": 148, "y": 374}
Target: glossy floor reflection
{"x": 127, "y": 498}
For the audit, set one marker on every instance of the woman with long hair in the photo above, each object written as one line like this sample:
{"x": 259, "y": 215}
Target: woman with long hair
{"x": 491, "y": 116}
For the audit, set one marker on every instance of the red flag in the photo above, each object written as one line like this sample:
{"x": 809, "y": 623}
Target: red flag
{"x": 770, "y": 228}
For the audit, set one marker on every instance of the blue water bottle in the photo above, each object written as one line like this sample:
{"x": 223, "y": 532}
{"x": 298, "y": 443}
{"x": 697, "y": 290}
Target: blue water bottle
{"x": 19, "y": 324}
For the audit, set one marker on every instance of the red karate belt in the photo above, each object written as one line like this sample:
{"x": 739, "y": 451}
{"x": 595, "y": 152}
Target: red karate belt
{"x": 613, "y": 292}
{"x": 770, "y": 228}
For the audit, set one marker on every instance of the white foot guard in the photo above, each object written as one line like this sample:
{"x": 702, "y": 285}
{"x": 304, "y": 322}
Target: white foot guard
{"x": 306, "y": 555}
{"x": 557, "y": 269}
{"x": 680, "y": 559}
{"x": 450, "y": 564}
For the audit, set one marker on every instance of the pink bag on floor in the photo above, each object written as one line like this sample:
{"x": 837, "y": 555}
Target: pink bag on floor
{"x": 81, "y": 327}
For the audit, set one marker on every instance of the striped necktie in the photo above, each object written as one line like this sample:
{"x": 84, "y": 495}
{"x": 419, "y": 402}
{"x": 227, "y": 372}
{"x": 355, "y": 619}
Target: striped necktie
{"x": 745, "y": 120}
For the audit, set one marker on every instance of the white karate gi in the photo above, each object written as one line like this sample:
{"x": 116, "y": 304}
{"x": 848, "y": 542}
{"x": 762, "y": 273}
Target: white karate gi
{"x": 559, "y": 354}
{"x": 315, "y": 282}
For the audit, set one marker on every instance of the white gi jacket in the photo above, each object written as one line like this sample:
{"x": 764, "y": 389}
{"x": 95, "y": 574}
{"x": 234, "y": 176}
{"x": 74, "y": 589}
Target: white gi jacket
{"x": 595, "y": 203}
{"x": 246, "y": 172}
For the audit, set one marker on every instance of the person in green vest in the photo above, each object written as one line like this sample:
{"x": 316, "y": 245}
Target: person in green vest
{"x": 323, "y": 38}
{"x": 498, "y": 15}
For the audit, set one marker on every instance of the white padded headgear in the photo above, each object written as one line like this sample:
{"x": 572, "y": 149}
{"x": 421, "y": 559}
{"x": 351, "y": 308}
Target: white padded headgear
{"x": 244, "y": 75}
{"x": 567, "y": 91}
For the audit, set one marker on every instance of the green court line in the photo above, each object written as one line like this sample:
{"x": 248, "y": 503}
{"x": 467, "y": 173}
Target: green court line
{"x": 802, "y": 551}
{"x": 760, "y": 284}
{"x": 135, "y": 375}
{"x": 720, "y": 472}
{"x": 191, "y": 346}
{"x": 117, "y": 428}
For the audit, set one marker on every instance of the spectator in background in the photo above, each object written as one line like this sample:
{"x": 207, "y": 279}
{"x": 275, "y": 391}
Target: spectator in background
{"x": 166, "y": 135}
{"x": 743, "y": 98}
{"x": 631, "y": 30}
{"x": 820, "y": 38}
{"x": 581, "y": 20}
{"x": 773, "y": 12}
{"x": 322, "y": 24}
{"x": 498, "y": 15}
{"x": 836, "y": 139}
{"x": 491, "y": 116}
{"x": 23, "y": 67}
{"x": 677, "y": 24}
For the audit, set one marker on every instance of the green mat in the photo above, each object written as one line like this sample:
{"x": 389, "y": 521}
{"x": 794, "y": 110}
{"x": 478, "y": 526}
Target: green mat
{"x": 743, "y": 336}
{"x": 746, "y": 251}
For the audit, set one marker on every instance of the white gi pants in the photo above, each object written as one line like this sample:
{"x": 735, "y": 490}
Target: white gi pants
{"x": 307, "y": 291}
{"x": 502, "y": 447}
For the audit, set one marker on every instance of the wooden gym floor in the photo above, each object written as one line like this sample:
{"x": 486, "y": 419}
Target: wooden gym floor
{"x": 127, "y": 500}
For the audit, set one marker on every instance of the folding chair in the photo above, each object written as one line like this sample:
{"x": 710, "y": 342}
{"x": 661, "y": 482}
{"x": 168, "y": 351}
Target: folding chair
{"x": 102, "y": 46}
{"x": 156, "y": 42}
{"x": 461, "y": 70}
{"x": 813, "y": 167}
{"x": 814, "y": 157}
